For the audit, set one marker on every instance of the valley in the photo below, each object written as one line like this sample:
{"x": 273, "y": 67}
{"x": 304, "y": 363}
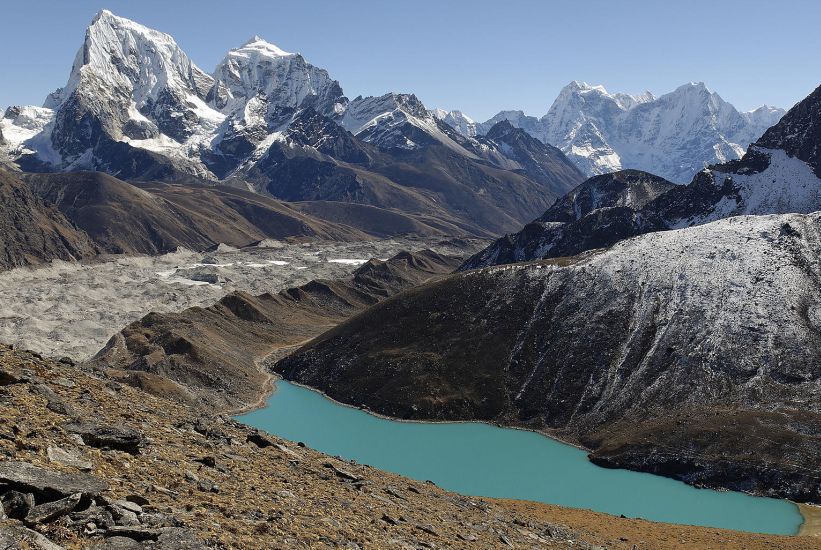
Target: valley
{"x": 72, "y": 309}
{"x": 241, "y": 309}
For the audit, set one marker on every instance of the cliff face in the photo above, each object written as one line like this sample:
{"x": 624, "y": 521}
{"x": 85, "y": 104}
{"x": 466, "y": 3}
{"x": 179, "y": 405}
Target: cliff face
{"x": 685, "y": 352}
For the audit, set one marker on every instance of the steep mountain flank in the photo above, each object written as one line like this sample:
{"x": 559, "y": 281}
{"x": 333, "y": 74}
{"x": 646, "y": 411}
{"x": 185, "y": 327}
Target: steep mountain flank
{"x": 210, "y": 355}
{"x": 597, "y": 214}
{"x": 157, "y": 218}
{"x": 515, "y": 149}
{"x": 692, "y": 353}
{"x": 32, "y": 232}
{"x": 799, "y": 132}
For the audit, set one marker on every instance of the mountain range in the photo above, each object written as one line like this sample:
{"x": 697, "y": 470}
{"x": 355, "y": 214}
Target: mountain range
{"x": 137, "y": 107}
{"x": 665, "y": 326}
{"x": 777, "y": 175}
{"x": 673, "y": 135}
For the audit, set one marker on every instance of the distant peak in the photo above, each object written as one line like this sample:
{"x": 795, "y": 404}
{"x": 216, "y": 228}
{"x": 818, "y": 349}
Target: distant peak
{"x": 694, "y": 86}
{"x": 102, "y": 14}
{"x": 259, "y": 44}
{"x": 108, "y": 17}
{"x": 580, "y": 86}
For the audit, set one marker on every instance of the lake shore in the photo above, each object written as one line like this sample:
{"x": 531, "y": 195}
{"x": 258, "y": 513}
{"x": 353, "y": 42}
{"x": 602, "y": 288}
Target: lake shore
{"x": 571, "y": 500}
{"x": 600, "y": 529}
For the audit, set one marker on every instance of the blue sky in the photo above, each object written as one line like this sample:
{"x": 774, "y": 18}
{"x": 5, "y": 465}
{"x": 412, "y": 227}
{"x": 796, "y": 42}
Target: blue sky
{"x": 478, "y": 56}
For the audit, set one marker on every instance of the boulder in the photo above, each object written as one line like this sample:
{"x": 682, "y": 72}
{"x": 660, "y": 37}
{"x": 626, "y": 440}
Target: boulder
{"x": 43, "y": 513}
{"x": 50, "y": 484}
{"x": 127, "y": 440}
{"x": 16, "y": 505}
{"x": 14, "y": 536}
{"x": 68, "y": 458}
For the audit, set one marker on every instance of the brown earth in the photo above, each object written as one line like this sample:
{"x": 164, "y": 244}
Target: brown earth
{"x": 32, "y": 232}
{"x": 625, "y": 533}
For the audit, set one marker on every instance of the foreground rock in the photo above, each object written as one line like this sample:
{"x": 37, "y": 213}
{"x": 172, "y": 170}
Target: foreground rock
{"x": 691, "y": 353}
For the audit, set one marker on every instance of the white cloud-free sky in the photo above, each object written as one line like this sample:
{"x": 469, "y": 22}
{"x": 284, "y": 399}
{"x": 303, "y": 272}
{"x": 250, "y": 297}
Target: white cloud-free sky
{"x": 479, "y": 56}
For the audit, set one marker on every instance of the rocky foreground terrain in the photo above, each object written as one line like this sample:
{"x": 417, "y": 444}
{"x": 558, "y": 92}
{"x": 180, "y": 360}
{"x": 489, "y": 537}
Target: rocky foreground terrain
{"x": 86, "y": 462}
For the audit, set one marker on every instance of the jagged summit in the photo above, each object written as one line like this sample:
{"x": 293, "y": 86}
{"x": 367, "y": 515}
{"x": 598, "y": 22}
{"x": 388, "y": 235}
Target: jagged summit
{"x": 283, "y": 80}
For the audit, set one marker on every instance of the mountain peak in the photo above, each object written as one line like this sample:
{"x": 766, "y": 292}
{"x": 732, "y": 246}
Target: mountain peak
{"x": 578, "y": 86}
{"x": 259, "y": 44}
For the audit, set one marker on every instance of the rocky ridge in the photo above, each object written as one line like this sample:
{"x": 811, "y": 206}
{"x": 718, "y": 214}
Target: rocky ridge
{"x": 213, "y": 356}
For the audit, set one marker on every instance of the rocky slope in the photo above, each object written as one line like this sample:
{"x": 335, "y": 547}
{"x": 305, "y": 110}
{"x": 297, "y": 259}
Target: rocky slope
{"x": 777, "y": 175}
{"x": 152, "y": 473}
{"x": 210, "y": 356}
{"x": 136, "y": 107}
{"x": 90, "y": 463}
{"x": 32, "y": 232}
{"x": 690, "y": 353}
{"x": 604, "y": 132}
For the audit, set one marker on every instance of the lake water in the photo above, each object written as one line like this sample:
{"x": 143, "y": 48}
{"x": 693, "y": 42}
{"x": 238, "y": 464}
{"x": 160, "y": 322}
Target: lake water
{"x": 484, "y": 460}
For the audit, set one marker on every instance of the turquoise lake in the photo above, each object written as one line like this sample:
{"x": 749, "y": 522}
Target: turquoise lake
{"x": 483, "y": 460}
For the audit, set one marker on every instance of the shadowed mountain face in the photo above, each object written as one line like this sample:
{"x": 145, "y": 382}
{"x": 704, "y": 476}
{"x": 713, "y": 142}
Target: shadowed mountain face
{"x": 799, "y": 132}
{"x": 32, "y": 232}
{"x": 596, "y": 214}
{"x": 157, "y": 218}
{"x": 686, "y": 353}
{"x": 210, "y": 355}
{"x": 777, "y": 175}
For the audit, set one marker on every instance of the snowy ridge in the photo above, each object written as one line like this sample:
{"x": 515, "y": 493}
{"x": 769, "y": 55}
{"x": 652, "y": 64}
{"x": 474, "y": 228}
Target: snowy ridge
{"x": 260, "y": 70}
{"x": 457, "y": 120}
{"x": 397, "y": 121}
{"x": 787, "y": 184}
{"x": 604, "y": 132}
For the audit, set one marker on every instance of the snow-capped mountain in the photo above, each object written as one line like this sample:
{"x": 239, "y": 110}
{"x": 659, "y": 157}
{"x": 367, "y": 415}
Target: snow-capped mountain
{"x": 130, "y": 84}
{"x": 673, "y": 135}
{"x": 261, "y": 70}
{"x": 458, "y": 120}
{"x": 779, "y": 174}
{"x": 398, "y": 121}
{"x": 258, "y": 87}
